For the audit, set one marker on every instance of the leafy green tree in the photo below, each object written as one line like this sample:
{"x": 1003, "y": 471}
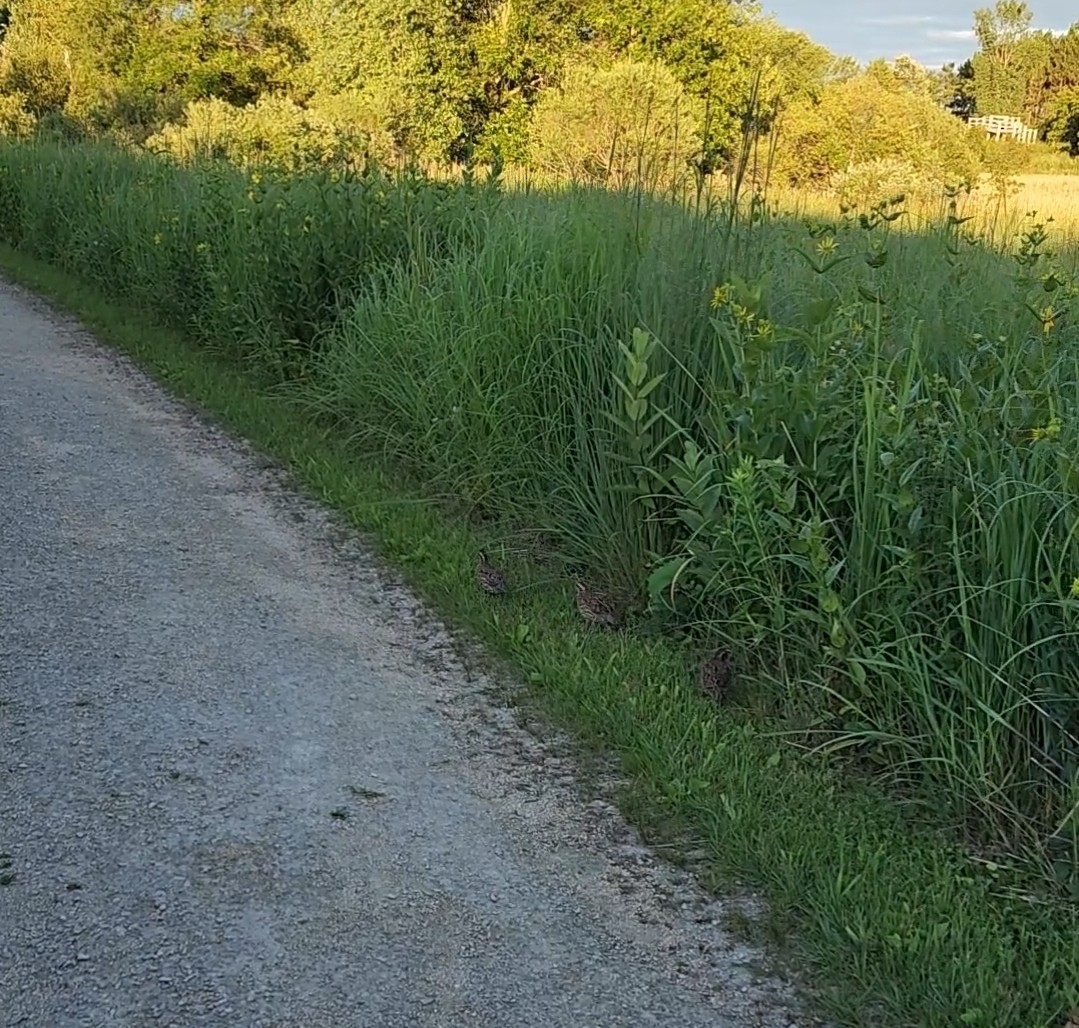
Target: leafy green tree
{"x": 1010, "y": 55}
{"x": 116, "y": 62}
{"x": 233, "y": 50}
{"x": 708, "y": 44}
{"x": 1061, "y": 86}
{"x": 957, "y": 89}
{"x": 442, "y": 80}
{"x": 58, "y": 52}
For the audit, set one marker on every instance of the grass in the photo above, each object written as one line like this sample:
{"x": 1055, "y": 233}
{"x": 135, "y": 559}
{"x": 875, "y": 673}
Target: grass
{"x": 853, "y": 462}
{"x": 998, "y": 206}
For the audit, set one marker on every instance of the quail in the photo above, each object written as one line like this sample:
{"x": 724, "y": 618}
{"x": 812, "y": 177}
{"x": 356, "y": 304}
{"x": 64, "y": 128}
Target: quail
{"x": 716, "y": 674}
{"x": 595, "y": 608}
{"x": 490, "y": 578}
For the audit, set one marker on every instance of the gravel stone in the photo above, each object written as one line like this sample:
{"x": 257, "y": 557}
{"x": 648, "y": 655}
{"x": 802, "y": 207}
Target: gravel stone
{"x": 247, "y": 780}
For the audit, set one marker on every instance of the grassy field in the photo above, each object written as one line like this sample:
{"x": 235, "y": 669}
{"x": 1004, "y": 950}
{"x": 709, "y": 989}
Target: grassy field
{"x": 844, "y": 448}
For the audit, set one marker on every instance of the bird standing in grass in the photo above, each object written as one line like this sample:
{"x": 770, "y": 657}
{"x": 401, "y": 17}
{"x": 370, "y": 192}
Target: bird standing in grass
{"x": 716, "y": 674}
{"x": 490, "y": 578}
{"x": 596, "y": 608}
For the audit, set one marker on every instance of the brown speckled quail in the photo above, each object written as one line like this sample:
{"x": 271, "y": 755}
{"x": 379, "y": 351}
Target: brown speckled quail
{"x": 596, "y": 608}
{"x": 716, "y": 674}
{"x": 490, "y": 578}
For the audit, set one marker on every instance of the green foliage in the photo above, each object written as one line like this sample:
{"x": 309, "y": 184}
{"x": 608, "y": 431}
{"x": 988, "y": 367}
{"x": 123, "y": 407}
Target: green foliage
{"x": 273, "y": 131}
{"x": 1007, "y": 56}
{"x": 226, "y": 49}
{"x": 460, "y": 82}
{"x": 113, "y": 64}
{"x": 854, "y": 462}
{"x": 1060, "y": 89}
{"x": 631, "y": 122}
{"x": 874, "y": 429}
{"x": 1063, "y": 121}
{"x": 864, "y": 121}
{"x": 443, "y": 82}
{"x": 15, "y": 119}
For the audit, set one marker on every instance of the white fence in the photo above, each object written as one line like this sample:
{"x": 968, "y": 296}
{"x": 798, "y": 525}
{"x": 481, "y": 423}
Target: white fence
{"x": 997, "y": 126}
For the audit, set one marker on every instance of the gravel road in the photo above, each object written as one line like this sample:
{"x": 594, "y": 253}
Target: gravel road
{"x": 245, "y": 779}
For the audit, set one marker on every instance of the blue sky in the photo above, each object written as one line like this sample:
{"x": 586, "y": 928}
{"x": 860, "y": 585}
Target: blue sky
{"x": 931, "y": 32}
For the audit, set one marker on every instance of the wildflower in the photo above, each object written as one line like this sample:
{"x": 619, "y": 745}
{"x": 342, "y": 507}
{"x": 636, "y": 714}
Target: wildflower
{"x": 157, "y": 239}
{"x": 720, "y": 296}
{"x": 1050, "y": 431}
{"x": 1048, "y": 319}
{"x": 826, "y": 246}
{"x": 1074, "y": 592}
{"x": 765, "y": 329}
{"x": 743, "y": 315}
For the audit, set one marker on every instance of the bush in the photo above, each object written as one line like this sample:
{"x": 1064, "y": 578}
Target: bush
{"x": 15, "y": 119}
{"x": 870, "y": 183}
{"x": 272, "y": 131}
{"x": 626, "y": 124}
{"x": 865, "y": 120}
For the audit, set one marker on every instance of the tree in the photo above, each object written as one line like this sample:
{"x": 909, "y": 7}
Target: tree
{"x": 115, "y": 62}
{"x": 444, "y": 80}
{"x": 1061, "y": 88}
{"x": 959, "y": 89}
{"x": 1009, "y": 55}
{"x": 707, "y": 44}
{"x": 232, "y": 50}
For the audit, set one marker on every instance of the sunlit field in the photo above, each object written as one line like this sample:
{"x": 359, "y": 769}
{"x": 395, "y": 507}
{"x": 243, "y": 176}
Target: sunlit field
{"x": 999, "y": 208}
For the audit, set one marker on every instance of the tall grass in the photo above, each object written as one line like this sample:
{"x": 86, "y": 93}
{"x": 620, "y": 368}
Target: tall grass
{"x": 846, "y": 449}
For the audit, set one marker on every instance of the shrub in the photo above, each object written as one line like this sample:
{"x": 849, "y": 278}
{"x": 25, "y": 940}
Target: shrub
{"x": 629, "y": 123}
{"x": 865, "y": 120}
{"x": 15, "y": 119}
{"x": 272, "y": 131}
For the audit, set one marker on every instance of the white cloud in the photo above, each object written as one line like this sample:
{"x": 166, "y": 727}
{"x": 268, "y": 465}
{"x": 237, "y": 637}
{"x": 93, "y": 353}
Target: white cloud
{"x": 956, "y": 35}
{"x": 899, "y": 20}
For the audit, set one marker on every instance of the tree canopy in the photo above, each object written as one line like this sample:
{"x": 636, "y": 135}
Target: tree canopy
{"x": 453, "y": 80}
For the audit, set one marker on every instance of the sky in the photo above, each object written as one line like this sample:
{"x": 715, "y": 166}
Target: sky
{"x": 930, "y": 32}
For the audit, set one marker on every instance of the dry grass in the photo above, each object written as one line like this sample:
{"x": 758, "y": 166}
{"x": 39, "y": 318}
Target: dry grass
{"x": 1000, "y": 207}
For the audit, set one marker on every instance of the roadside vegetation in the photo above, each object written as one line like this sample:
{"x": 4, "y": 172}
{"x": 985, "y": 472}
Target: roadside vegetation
{"x": 783, "y": 384}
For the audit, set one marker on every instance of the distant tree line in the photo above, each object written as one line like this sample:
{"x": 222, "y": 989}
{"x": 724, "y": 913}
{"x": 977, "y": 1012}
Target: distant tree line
{"x": 582, "y": 87}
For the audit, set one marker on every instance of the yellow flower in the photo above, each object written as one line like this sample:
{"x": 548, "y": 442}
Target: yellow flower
{"x": 1048, "y": 318}
{"x": 720, "y": 296}
{"x": 765, "y": 329}
{"x": 157, "y": 239}
{"x": 1074, "y": 593}
{"x": 743, "y": 315}
{"x": 1050, "y": 431}
{"x": 827, "y": 246}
